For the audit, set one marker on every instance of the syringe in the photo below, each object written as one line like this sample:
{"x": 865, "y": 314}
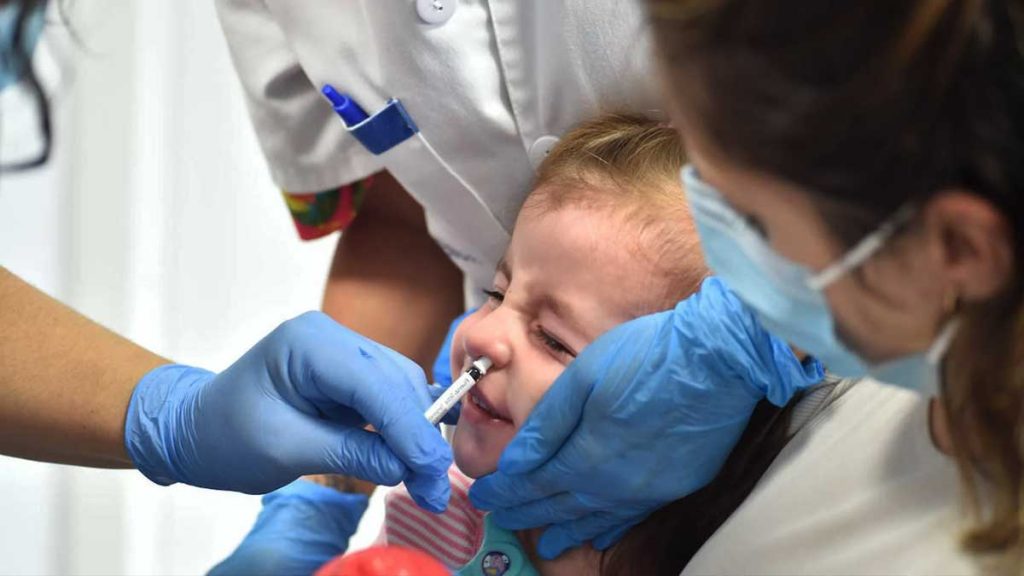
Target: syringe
{"x": 458, "y": 389}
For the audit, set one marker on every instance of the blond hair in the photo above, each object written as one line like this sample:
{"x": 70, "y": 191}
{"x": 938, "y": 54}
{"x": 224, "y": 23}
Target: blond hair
{"x": 629, "y": 164}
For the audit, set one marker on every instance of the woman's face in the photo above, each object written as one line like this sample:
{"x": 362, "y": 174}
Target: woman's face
{"x": 567, "y": 277}
{"x": 889, "y": 306}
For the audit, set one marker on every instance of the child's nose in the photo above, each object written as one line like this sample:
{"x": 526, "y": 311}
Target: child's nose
{"x": 489, "y": 337}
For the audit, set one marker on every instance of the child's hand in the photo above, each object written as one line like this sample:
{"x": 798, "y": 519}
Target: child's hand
{"x": 645, "y": 415}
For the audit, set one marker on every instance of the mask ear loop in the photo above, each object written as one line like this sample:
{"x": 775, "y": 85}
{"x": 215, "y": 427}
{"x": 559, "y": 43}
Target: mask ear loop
{"x": 866, "y": 248}
{"x": 948, "y": 331}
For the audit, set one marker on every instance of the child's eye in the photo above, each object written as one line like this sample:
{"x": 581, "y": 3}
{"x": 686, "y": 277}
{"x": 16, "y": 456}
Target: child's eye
{"x": 495, "y": 295}
{"x": 556, "y": 347}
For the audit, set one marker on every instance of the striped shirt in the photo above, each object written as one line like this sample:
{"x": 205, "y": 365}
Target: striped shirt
{"x": 453, "y": 537}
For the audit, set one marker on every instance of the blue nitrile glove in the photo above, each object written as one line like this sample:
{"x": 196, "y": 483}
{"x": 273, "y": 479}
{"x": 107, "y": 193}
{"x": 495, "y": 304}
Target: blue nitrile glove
{"x": 294, "y": 404}
{"x": 443, "y": 370}
{"x": 300, "y": 528}
{"x": 646, "y": 414}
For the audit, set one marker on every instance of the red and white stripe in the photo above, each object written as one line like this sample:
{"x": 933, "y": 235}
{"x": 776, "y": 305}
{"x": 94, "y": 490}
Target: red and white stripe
{"x": 453, "y": 537}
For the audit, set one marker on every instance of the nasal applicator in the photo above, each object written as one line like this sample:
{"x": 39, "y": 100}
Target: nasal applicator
{"x": 458, "y": 389}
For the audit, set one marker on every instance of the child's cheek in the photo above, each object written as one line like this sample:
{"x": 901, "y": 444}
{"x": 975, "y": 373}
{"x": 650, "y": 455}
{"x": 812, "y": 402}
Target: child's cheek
{"x": 529, "y": 392}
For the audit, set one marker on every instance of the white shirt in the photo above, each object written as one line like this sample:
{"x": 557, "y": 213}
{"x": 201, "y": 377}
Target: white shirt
{"x": 860, "y": 490}
{"x": 490, "y": 83}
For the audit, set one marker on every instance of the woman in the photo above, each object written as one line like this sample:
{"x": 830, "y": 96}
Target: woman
{"x": 858, "y": 178}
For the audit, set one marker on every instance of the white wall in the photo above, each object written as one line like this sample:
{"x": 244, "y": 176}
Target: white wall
{"x": 157, "y": 219}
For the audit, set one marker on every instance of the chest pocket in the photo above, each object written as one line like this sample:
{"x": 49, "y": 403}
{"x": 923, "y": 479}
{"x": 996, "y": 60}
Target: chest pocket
{"x": 457, "y": 217}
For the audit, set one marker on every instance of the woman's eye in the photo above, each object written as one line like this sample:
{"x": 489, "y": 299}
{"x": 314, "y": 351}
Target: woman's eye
{"x": 554, "y": 345}
{"x": 756, "y": 223}
{"x": 495, "y": 295}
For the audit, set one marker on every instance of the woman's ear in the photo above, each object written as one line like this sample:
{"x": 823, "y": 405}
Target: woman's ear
{"x": 975, "y": 242}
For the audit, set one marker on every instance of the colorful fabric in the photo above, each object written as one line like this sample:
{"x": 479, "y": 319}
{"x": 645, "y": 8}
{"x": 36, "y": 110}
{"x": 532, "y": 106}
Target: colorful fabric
{"x": 453, "y": 537}
{"x": 321, "y": 213}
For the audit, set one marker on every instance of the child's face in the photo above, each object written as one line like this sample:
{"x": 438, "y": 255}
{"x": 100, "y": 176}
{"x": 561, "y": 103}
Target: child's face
{"x": 567, "y": 277}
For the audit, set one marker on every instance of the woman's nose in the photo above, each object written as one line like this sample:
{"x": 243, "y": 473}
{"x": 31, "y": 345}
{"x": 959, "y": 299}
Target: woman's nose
{"x": 489, "y": 336}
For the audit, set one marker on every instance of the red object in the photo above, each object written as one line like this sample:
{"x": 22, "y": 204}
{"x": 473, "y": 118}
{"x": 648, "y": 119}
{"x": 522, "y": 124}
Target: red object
{"x": 384, "y": 561}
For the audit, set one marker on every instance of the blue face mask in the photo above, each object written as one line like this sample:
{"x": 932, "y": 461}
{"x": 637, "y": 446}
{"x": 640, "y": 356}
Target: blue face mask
{"x": 10, "y": 69}
{"x": 789, "y": 298}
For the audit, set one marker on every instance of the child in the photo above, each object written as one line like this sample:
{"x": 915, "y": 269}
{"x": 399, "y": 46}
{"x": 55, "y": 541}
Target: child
{"x": 604, "y": 237}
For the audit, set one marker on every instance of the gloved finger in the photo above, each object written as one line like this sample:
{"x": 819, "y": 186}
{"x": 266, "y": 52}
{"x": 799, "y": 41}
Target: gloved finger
{"x": 499, "y": 491}
{"x": 612, "y": 537}
{"x": 347, "y": 451}
{"x": 550, "y": 423}
{"x": 429, "y": 492}
{"x": 561, "y": 537}
{"x": 414, "y": 376}
{"x": 558, "y": 508}
{"x": 393, "y": 403}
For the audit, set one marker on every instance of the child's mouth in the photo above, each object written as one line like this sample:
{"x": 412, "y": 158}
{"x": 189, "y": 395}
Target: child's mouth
{"x": 480, "y": 401}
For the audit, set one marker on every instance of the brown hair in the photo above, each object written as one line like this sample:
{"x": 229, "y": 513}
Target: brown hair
{"x": 871, "y": 105}
{"x": 629, "y": 163}
{"x": 665, "y": 542}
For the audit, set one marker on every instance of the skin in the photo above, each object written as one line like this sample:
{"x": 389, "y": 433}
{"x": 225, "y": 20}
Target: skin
{"x": 560, "y": 286}
{"x": 391, "y": 282}
{"x": 65, "y": 381}
{"x": 958, "y": 249}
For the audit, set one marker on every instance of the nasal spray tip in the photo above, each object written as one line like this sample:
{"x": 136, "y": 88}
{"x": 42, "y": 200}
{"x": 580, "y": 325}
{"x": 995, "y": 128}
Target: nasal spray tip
{"x": 459, "y": 388}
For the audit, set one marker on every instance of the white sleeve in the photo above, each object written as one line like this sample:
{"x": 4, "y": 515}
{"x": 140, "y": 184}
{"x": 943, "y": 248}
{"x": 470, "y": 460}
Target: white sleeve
{"x": 303, "y": 141}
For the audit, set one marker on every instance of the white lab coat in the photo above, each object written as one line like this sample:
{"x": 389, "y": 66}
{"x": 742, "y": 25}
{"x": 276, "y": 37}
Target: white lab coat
{"x": 491, "y": 85}
{"x": 860, "y": 490}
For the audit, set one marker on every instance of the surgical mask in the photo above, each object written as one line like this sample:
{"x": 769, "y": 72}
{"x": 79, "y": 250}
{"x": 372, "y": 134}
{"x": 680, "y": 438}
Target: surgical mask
{"x": 789, "y": 298}
{"x": 10, "y": 69}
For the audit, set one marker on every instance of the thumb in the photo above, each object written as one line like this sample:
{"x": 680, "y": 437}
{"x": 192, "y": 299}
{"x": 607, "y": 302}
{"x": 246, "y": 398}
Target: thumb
{"x": 601, "y": 525}
{"x": 552, "y": 421}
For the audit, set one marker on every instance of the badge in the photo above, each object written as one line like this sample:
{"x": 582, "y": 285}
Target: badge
{"x": 495, "y": 563}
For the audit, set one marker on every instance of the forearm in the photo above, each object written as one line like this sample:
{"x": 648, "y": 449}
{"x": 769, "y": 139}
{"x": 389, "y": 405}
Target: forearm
{"x": 390, "y": 281}
{"x": 65, "y": 381}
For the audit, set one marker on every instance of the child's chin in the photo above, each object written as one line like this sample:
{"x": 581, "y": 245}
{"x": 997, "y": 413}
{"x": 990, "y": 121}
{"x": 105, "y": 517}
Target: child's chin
{"x": 473, "y": 464}
{"x": 475, "y": 469}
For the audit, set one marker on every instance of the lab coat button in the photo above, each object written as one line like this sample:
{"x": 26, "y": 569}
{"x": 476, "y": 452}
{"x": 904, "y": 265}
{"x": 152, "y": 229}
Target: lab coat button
{"x": 540, "y": 149}
{"x": 436, "y": 11}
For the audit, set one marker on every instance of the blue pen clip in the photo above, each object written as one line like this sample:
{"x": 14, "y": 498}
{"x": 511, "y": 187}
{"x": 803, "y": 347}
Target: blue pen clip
{"x": 379, "y": 133}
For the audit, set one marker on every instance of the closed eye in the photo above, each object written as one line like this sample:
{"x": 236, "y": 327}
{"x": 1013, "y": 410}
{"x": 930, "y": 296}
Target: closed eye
{"x": 495, "y": 295}
{"x": 559, "y": 350}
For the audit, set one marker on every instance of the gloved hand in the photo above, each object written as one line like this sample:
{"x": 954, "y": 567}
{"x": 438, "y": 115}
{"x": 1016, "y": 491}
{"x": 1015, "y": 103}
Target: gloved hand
{"x": 651, "y": 409}
{"x": 294, "y": 404}
{"x": 443, "y": 370}
{"x": 301, "y": 526}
